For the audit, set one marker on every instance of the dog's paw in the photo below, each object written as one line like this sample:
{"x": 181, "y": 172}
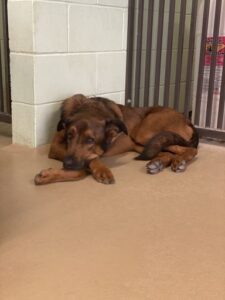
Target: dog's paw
{"x": 43, "y": 177}
{"x": 103, "y": 175}
{"x": 178, "y": 165}
{"x": 154, "y": 167}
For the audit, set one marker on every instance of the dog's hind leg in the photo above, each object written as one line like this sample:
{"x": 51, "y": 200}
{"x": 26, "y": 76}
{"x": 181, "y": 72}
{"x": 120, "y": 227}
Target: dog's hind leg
{"x": 182, "y": 156}
{"x": 161, "y": 161}
{"x": 177, "y": 158}
{"x": 159, "y": 143}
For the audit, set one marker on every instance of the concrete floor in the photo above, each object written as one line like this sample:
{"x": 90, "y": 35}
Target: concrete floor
{"x": 145, "y": 237}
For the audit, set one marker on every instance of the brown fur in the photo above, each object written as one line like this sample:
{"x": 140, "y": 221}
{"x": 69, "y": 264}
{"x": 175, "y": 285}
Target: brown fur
{"x": 93, "y": 127}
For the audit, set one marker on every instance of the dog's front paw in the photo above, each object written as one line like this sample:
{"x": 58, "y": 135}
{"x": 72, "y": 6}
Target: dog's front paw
{"x": 44, "y": 177}
{"x": 178, "y": 165}
{"x": 103, "y": 175}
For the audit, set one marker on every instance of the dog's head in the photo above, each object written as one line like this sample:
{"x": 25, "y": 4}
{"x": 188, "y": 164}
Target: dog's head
{"x": 88, "y": 138}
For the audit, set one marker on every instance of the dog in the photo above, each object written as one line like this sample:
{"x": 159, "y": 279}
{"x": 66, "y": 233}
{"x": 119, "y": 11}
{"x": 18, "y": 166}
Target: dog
{"x": 93, "y": 127}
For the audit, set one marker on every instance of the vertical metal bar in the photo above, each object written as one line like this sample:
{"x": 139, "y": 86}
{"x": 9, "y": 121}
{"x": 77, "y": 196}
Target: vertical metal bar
{"x": 148, "y": 52}
{"x": 138, "y": 54}
{"x": 129, "y": 63}
{"x": 180, "y": 53}
{"x": 6, "y": 53}
{"x": 213, "y": 62}
{"x": 159, "y": 51}
{"x": 1, "y": 87}
{"x": 201, "y": 61}
{"x": 169, "y": 52}
{"x": 1, "y": 75}
{"x": 190, "y": 57}
{"x": 222, "y": 99}
{"x": 5, "y": 81}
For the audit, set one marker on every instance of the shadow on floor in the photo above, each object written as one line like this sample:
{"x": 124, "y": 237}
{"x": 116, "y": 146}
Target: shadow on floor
{"x": 5, "y": 134}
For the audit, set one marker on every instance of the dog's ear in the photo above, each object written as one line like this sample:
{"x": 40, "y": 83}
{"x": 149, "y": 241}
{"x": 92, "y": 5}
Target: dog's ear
{"x": 112, "y": 129}
{"x": 117, "y": 125}
{"x": 61, "y": 125}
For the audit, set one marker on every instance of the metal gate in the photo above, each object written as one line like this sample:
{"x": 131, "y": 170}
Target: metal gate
{"x": 5, "y": 101}
{"x": 166, "y": 60}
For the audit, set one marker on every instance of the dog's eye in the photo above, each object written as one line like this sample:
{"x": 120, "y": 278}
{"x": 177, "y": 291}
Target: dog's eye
{"x": 89, "y": 141}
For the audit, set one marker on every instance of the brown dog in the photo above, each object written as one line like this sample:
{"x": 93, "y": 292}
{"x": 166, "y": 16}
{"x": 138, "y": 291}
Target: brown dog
{"x": 93, "y": 127}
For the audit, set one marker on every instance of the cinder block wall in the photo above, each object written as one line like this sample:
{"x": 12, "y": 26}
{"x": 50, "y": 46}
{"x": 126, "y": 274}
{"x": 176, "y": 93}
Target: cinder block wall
{"x": 59, "y": 48}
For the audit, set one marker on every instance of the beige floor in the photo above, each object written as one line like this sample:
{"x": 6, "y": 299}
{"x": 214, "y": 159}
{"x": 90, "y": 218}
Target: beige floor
{"x": 146, "y": 237}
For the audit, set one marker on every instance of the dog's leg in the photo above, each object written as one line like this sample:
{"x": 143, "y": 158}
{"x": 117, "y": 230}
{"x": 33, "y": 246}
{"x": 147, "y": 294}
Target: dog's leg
{"x": 121, "y": 145}
{"x": 183, "y": 155}
{"x": 161, "y": 161}
{"x": 100, "y": 172}
{"x": 57, "y": 175}
{"x": 159, "y": 143}
{"x": 58, "y": 146}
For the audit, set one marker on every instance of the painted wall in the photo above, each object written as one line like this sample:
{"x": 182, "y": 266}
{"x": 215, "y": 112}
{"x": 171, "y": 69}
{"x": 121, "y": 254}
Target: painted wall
{"x": 59, "y": 48}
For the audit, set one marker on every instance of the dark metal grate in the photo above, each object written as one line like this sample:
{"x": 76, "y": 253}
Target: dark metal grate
{"x": 5, "y": 101}
{"x": 161, "y": 59}
{"x": 156, "y": 38}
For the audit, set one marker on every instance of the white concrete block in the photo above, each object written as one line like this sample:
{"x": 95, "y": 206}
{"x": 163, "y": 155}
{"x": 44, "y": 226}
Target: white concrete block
{"x": 95, "y": 28}
{"x": 20, "y": 26}
{"x": 112, "y": 96}
{"x": 76, "y": 1}
{"x": 111, "y": 72}
{"x": 122, "y": 98}
{"x": 47, "y": 117}
{"x": 125, "y": 22}
{"x": 22, "y": 85}
{"x": 50, "y": 27}
{"x": 60, "y": 76}
{"x": 23, "y": 121}
{"x": 119, "y": 3}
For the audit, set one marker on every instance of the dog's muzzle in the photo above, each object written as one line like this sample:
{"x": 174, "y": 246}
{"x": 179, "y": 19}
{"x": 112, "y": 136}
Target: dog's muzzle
{"x": 70, "y": 163}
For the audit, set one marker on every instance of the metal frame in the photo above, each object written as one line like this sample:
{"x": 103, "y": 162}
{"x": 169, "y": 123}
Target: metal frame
{"x": 180, "y": 53}
{"x": 213, "y": 62}
{"x": 138, "y": 77}
{"x": 169, "y": 53}
{"x": 5, "y": 97}
{"x": 211, "y": 133}
{"x": 159, "y": 51}
{"x": 130, "y": 37}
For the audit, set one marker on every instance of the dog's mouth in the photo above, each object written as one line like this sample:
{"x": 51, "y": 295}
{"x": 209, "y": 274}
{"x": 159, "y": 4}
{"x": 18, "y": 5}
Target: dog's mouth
{"x": 72, "y": 164}
{"x": 72, "y": 168}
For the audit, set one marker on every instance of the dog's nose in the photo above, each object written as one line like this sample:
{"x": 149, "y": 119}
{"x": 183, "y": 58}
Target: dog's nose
{"x": 68, "y": 162}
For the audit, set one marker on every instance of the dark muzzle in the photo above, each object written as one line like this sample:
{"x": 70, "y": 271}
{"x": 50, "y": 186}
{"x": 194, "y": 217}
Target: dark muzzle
{"x": 70, "y": 163}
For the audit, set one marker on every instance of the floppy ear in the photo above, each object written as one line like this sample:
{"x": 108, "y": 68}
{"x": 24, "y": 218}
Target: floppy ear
{"x": 61, "y": 125}
{"x": 116, "y": 123}
{"x": 112, "y": 129}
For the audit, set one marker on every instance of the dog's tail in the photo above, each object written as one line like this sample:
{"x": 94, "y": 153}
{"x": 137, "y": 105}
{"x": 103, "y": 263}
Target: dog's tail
{"x": 165, "y": 139}
{"x": 194, "y": 141}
